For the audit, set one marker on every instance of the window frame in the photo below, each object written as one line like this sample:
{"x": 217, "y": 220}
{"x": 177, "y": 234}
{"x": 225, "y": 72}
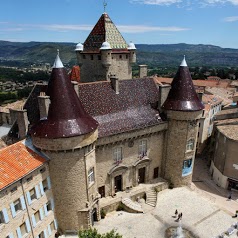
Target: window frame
{"x": 91, "y": 176}
{"x": 142, "y": 148}
{"x": 190, "y": 144}
{"x": 117, "y": 155}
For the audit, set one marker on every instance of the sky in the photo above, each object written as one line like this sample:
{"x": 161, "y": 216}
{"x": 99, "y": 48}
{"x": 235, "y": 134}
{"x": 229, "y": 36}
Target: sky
{"x": 212, "y": 22}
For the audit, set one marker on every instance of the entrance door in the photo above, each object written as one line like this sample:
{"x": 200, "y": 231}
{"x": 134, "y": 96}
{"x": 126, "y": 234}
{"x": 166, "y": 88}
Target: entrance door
{"x": 101, "y": 191}
{"x": 141, "y": 175}
{"x": 94, "y": 216}
{"x": 118, "y": 183}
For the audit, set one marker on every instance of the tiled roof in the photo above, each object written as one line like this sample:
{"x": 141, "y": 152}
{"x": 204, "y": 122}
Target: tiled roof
{"x": 229, "y": 128}
{"x": 16, "y": 161}
{"x": 131, "y": 109}
{"x": 104, "y": 30}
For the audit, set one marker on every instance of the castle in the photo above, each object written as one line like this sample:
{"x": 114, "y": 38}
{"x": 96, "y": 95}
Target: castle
{"x": 90, "y": 143}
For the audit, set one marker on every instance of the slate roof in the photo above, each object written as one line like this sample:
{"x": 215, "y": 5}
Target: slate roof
{"x": 182, "y": 95}
{"x": 133, "y": 108}
{"x": 66, "y": 116}
{"x": 16, "y": 161}
{"x": 104, "y": 30}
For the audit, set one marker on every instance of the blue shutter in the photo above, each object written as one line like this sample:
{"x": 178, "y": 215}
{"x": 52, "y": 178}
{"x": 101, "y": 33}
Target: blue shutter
{"x": 33, "y": 220}
{"x": 52, "y": 203}
{"x": 37, "y": 192}
{"x": 45, "y": 233}
{"x": 5, "y": 215}
{"x": 23, "y": 204}
{"x": 28, "y": 195}
{"x": 49, "y": 230}
{"x": 42, "y": 189}
{"x": 13, "y": 210}
{"x": 19, "y": 232}
{"x": 45, "y": 209}
{"x": 49, "y": 183}
{"x": 56, "y": 224}
{"x": 41, "y": 214}
{"x": 10, "y": 235}
{"x": 28, "y": 227}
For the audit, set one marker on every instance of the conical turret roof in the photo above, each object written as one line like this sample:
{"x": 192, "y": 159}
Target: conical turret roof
{"x": 182, "y": 95}
{"x": 104, "y": 31}
{"x": 66, "y": 116}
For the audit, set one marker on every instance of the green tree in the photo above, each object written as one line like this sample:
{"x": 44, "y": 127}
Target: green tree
{"x": 93, "y": 233}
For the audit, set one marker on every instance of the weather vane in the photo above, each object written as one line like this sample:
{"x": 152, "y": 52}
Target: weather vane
{"x": 104, "y": 5}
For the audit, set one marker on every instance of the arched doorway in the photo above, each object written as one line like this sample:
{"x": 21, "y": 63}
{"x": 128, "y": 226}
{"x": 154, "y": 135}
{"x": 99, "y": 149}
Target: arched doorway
{"x": 118, "y": 183}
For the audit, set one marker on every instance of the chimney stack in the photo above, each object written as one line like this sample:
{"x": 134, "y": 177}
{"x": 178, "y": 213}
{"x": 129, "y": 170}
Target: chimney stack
{"x": 115, "y": 83}
{"x": 142, "y": 71}
{"x": 44, "y": 103}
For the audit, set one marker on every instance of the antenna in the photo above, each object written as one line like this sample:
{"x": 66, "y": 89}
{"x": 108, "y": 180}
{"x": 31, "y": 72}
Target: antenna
{"x": 104, "y": 5}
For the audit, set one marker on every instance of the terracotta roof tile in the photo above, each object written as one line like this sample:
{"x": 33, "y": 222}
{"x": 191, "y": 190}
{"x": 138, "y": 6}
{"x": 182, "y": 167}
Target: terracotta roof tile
{"x": 16, "y": 161}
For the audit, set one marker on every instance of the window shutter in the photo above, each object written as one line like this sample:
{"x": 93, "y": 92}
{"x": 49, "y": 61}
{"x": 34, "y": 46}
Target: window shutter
{"x": 5, "y": 215}
{"x": 45, "y": 233}
{"x": 33, "y": 220}
{"x": 11, "y": 235}
{"x": 49, "y": 182}
{"x": 23, "y": 204}
{"x": 45, "y": 209}
{"x": 41, "y": 214}
{"x": 52, "y": 203}
{"x": 28, "y": 198}
{"x": 49, "y": 230}
{"x": 42, "y": 189}
{"x": 13, "y": 210}
{"x": 19, "y": 232}
{"x": 28, "y": 227}
{"x": 37, "y": 192}
{"x": 56, "y": 224}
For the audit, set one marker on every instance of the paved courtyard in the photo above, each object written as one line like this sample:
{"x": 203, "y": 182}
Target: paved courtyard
{"x": 200, "y": 215}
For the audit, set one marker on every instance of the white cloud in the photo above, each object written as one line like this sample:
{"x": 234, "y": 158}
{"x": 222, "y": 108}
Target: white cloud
{"x": 156, "y": 2}
{"x": 231, "y": 19}
{"x": 141, "y": 29}
{"x": 215, "y": 2}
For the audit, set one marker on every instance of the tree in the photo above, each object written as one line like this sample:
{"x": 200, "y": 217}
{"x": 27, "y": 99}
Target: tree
{"x": 93, "y": 233}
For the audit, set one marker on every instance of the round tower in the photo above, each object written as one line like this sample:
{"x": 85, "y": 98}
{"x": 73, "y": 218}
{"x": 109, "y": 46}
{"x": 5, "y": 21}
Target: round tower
{"x": 132, "y": 50}
{"x": 106, "y": 52}
{"x": 79, "y": 50}
{"x": 183, "y": 109}
{"x": 67, "y": 137}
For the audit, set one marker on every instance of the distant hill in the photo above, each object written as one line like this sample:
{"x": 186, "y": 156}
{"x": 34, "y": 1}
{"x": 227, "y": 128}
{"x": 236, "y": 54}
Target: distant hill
{"x": 161, "y": 55}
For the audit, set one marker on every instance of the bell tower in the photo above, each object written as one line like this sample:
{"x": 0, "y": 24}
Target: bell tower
{"x": 183, "y": 109}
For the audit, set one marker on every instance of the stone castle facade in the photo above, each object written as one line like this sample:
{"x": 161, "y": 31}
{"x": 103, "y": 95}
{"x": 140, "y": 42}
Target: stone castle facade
{"x": 103, "y": 139}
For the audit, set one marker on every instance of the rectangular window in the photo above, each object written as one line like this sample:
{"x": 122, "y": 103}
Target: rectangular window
{"x": 33, "y": 194}
{"x": 42, "y": 235}
{"x": 91, "y": 56}
{"x": 117, "y": 154}
{"x": 190, "y": 144}
{"x": 91, "y": 176}
{"x": 187, "y": 167}
{"x": 52, "y": 226}
{"x": 14, "y": 189}
{"x": 143, "y": 148}
{"x": 99, "y": 57}
{"x": 37, "y": 217}
{"x": 45, "y": 185}
{"x": 23, "y": 229}
{"x": 2, "y": 220}
{"x": 42, "y": 170}
{"x": 29, "y": 179}
{"x": 17, "y": 205}
{"x": 49, "y": 206}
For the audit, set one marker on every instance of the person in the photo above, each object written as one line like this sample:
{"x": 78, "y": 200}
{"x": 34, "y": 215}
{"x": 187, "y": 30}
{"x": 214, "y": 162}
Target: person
{"x": 176, "y": 212}
{"x": 229, "y": 197}
{"x": 181, "y": 214}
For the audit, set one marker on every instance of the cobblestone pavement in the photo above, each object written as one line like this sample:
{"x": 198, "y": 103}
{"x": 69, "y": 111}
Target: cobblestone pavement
{"x": 206, "y": 211}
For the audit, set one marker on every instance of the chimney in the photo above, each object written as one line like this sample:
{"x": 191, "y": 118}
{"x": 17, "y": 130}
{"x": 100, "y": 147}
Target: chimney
{"x": 115, "y": 83}
{"x": 76, "y": 87}
{"x": 163, "y": 93}
{"x": 44, "y": 103}
{"x": 142, "y": 71}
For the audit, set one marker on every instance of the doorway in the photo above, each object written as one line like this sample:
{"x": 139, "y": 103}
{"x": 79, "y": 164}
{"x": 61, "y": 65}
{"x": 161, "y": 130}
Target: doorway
{"x": 118, "y": 183}
{"x": 141, "y": 175}
{"x": 94, "y": 216}
{"x": 101, "y": 191}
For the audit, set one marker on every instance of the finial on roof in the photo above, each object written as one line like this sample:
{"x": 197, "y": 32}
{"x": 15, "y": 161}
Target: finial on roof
{"x": 104, "y": 5}
{"x": 58, "y": 62}
{"x": 184, "y": 63}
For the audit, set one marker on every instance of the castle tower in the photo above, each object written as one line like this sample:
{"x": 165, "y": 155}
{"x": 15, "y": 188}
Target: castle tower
{"x": 105, "y": 53}
{"x": 67, "y": 137}
{"x": 183, "y": 109}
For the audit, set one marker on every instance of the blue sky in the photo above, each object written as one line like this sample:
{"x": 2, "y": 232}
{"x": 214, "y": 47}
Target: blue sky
{"x": 141, "y": 21}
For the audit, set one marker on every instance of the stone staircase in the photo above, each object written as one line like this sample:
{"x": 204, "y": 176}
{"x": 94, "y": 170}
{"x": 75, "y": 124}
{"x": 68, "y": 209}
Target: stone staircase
{"x": 151, "y": 197}
{"x": 131, "y": 206}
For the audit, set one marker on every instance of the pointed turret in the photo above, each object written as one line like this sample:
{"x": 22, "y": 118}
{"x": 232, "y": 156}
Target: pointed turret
{"x": 182, "y": 95}
{"x": 66, "y": 116}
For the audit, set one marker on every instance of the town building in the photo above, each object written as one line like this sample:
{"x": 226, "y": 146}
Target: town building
{"x": 100, "y": 141}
